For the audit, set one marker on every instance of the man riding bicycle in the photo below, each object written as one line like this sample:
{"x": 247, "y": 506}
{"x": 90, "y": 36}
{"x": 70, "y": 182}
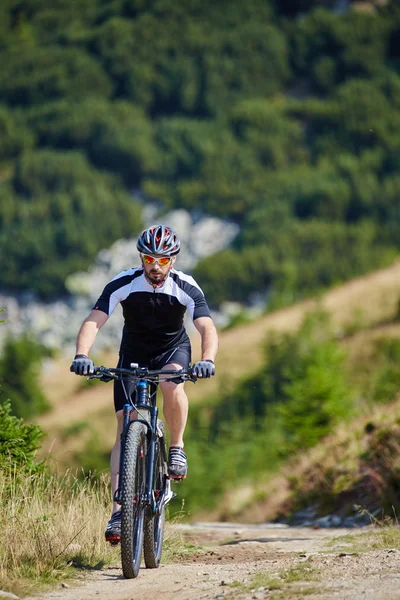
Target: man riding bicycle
{"x": 154, "y": 299}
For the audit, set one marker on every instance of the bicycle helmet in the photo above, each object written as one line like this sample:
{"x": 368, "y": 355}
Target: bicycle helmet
{"x": 158, "y": 240}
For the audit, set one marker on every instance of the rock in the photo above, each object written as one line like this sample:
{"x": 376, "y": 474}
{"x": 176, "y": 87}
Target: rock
{"x": 329, "y": 521}
{"x": 4, "y": 594}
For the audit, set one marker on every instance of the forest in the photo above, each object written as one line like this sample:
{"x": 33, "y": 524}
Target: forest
{"x": 283, "y": 120}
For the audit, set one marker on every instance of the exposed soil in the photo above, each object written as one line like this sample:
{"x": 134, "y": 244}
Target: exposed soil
{"x": 293, "y": 563}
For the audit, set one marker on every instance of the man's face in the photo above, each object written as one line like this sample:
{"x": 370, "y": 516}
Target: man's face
{"x": 155, "y": 271}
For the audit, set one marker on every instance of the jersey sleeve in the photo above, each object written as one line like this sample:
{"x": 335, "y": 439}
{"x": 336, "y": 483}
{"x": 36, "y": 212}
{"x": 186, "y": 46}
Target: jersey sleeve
{"x": 200, "y": 308}
{"x": 114, "y": 293}
{"x": 191, "y": 295}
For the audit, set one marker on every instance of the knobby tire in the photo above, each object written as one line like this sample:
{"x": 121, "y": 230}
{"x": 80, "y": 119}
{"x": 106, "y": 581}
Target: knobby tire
{"x": 133, "y": 483}
{"x": 155, "y": 523}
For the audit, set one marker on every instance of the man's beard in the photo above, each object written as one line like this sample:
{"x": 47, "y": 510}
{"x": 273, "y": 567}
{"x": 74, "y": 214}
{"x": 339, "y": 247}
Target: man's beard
{"x": 156, "y": 281}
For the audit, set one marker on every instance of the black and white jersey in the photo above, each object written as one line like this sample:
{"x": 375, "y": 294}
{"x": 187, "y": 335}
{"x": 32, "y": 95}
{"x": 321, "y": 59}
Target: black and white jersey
{"x": 153, "y": 316}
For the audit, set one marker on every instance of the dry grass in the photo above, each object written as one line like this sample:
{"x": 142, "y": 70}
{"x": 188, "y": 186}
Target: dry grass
{"x": 353, "y": 469}
{"x": 53, "y": 527}
{"x": 379, "y": 537}
{"x": 50, "y": 525}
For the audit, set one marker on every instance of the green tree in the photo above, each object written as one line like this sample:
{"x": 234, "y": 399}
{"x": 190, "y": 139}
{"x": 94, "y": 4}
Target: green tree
{"x": 116, "y": 136}
{"x": 14, "y": 137}
{"x": 19, "y": 375}
{"x": 193, "y": 57}
{"x": 64, "y": 213}
{"x": 329, "y": 48}
{"x": 47, "y": 73}
{"x": 276, "y": 139}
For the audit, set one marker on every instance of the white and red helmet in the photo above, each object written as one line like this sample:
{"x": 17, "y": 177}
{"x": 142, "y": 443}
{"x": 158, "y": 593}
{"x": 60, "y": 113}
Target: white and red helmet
{"x": 158, "y": 240}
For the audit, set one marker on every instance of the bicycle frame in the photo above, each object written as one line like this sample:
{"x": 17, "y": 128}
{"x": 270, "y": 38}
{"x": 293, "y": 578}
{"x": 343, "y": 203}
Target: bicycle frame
{"x": 144, "y": 393}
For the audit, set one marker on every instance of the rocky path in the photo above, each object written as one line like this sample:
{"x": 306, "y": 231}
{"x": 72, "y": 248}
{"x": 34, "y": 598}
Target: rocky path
{"x": 243, "y": 562}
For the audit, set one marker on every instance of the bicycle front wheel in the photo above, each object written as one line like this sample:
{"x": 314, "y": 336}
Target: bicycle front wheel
{"x": 155, "y": 523}
{"x": 133, "y": 482}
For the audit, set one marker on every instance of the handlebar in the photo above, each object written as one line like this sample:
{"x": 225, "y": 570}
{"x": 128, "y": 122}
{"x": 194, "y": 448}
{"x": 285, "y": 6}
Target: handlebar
{"x": 142, "y": 373}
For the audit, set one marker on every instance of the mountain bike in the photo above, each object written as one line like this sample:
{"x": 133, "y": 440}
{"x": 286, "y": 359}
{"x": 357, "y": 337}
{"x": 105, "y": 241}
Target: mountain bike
{"x": 144, "y": 486}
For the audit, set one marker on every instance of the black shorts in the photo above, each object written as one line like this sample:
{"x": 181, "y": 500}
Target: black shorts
{"x": 181, "y": 355}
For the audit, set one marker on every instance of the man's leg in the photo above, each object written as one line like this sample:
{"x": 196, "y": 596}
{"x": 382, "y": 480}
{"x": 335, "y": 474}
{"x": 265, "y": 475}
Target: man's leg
{"x": 175, "y": 413}
{"x": 113, "y": 530}
{"x": 114, "y": 460}
{"x": 176, "y": 407}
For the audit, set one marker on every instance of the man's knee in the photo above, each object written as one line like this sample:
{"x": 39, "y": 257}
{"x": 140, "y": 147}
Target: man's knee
{"x": 173, "y": 391}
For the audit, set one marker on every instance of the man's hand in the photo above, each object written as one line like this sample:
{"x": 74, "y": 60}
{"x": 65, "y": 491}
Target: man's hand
{"x": 82, "y": 365}
{"x": 203, "y": 369}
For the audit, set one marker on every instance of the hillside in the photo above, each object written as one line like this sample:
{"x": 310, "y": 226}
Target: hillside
{"x": 352, "y": 473}
{"x": 363, "y": 303}
{"x": 231, "y": 109}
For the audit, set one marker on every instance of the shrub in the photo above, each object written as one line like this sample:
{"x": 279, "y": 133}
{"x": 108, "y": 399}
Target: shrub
{"x": 18, "y": 443}
{"x": 19, "y": 376}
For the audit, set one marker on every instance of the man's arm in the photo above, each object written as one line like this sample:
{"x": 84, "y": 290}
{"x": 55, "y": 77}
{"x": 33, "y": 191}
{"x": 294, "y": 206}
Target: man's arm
{"x": 88, "y": 331}
{"x": 209, "y": 337}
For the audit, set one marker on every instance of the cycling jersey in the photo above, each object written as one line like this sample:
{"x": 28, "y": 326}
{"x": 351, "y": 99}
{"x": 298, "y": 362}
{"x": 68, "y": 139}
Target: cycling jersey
{"x": 153, "y": 316}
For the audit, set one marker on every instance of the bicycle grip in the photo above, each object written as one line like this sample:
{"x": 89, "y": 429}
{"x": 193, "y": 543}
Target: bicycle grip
{"x": 94, "y": 371}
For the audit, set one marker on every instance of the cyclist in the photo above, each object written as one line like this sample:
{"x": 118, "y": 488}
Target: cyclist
{"x": 154, "y": 298}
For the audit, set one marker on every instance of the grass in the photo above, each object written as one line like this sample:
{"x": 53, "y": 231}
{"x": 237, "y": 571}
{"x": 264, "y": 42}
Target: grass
{"x": 381, "y": 537}
{"x": 353, "y": 471}
{"x": 288, "y": 583}
{"x": 53, "y": 527}
{"x": 49, "y": 526}
{"x": 176, "y": 547}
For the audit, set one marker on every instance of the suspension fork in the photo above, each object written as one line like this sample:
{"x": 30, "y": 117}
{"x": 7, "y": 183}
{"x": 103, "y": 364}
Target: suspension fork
{"x": 151, "y": 451}
{"x": 142, "y": 404}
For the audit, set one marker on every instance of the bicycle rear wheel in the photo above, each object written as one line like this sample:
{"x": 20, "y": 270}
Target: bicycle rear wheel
{"x": 155, "y": 523}
{"x": 133, "y": 482}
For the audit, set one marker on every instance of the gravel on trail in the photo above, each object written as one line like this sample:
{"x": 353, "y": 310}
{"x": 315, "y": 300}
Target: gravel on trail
{"x": 251, "y": 562}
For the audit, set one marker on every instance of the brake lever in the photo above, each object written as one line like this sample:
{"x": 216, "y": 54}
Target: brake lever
{"x": 103, "y": 375}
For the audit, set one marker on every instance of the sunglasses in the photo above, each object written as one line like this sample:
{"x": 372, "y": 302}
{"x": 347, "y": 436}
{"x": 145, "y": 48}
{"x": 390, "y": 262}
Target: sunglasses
{"x": 150, "y": 260}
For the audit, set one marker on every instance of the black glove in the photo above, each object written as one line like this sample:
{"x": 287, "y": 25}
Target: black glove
{"x": 203, "y": 369}
{"x": 82, "y": 365}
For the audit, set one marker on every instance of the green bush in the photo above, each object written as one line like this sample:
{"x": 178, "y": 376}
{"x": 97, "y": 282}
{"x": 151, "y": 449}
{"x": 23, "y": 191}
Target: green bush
{"x": 14, "y": 137}
{"x": 384, "y": 380}
{"x": 330, "y": 48}
{"x": 18, "y": 443}
{"x": 64, "y": 212}
{"x": 19, "y": 376}
{"x": 116, "y": 136}
{"x": 297, "y": 261}
{"x": 44, "y": 74}
{"x": 193, "y": 57}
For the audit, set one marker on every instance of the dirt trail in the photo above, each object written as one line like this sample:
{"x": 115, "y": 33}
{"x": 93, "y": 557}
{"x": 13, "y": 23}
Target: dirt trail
{"x": 297, "y": 559}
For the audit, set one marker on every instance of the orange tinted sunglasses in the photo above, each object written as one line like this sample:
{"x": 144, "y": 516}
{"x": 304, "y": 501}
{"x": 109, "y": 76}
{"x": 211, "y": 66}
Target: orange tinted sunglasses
{"x": 150, "y": 260}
